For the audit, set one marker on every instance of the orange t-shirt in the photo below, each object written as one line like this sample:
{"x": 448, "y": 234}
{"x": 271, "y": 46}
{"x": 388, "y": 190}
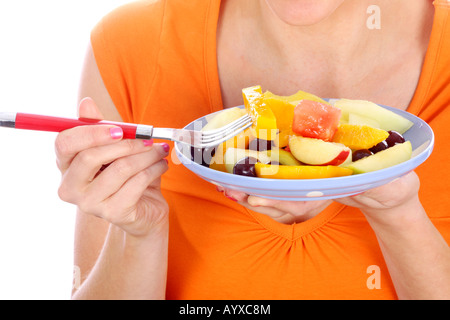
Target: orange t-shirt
{"x": 158, "y": 62}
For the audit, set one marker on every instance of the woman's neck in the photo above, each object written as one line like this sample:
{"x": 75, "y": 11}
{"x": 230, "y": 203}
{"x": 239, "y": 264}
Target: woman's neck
{"x": 341, "y": 36}
{"x": 332, "y": 56}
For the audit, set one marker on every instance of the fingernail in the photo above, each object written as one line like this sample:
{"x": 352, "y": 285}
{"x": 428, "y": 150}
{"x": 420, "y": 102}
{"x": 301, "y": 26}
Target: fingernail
{"x": 116, "y": 132}
{"x": 148, "y": 143}
{"x": 166, "y": 147}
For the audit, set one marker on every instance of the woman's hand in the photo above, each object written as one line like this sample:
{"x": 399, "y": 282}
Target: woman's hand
{"x": 400, "y": 192}
{"x": 115, "y": 179}
{"x": 388, "y": 202}
{"x": 282, "y": 211}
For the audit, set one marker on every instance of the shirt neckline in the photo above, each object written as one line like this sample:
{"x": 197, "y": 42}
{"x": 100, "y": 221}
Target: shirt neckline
{"x": 440, "y": 19}
{"x": 295, "y": 231}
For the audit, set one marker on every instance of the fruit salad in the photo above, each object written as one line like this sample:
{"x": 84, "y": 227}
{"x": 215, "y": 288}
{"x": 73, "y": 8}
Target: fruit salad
{"x": 305, "y": 137}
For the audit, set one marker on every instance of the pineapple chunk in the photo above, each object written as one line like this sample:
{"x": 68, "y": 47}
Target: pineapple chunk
{"x": 264, "y": 121}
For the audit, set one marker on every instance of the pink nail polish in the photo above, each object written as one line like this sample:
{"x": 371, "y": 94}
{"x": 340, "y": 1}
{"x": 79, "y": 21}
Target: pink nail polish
{"x": 116, "y": 133}
{"x": 148, "y": 143}
{"x": 166, "y": 147}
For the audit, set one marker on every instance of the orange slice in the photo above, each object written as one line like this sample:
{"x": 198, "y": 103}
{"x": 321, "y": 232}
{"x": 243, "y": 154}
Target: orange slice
{"x": 283, "y": 111}
{"x": 359, "y": 136}
{"x": 299, "y": 172}
{"x": 264, "y": 121}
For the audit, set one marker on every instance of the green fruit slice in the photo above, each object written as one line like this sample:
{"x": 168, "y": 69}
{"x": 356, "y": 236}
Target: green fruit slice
{"x": 386, "y": 119}
{"x": 383, "y": 159}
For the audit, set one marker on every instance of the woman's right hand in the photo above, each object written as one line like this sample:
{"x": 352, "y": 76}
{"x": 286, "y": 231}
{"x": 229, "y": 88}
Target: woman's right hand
{"x": 110, "y": 177}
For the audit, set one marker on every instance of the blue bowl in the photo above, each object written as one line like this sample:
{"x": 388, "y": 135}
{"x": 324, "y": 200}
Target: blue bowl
{"x": 420, "y": 135}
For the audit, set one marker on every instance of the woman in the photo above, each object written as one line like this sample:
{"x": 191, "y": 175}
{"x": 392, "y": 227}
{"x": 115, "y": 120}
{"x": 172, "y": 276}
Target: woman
{"x": 169, "y": 62}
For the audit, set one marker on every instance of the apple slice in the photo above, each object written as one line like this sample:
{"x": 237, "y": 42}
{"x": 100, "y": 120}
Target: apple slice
{"x": 223, "y": 118}
{"x": 346, "y": 161}
{"x": 318, "y": 152}
{"x": 387, "y": 158}
{"x": 233, "y": 155}
{"x": 386, "y": 119}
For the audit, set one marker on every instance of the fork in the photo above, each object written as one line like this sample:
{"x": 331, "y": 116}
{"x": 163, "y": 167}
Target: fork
{"x": 195, "y": 138}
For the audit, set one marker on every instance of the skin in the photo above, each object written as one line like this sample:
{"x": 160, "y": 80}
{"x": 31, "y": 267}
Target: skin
{"x": 123, "y": 202}
{"x": 122, "y": 228}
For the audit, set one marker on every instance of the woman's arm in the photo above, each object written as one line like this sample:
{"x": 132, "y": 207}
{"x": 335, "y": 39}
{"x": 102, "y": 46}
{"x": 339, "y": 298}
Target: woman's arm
{"x": 122, "y": 225}
{"x": 417, "y": 256}
{"x": 127, "y": 267}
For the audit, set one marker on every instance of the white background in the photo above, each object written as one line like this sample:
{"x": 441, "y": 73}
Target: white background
{"x": 42, "y": 45}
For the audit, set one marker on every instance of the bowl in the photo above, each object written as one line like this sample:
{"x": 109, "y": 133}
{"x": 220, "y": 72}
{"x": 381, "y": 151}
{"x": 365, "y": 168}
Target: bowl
{"x": 420, "y": 135}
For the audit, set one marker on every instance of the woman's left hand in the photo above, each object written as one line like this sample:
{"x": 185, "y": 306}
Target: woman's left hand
{"x": 401, "y": 191}
{"x": 388, "y": 198}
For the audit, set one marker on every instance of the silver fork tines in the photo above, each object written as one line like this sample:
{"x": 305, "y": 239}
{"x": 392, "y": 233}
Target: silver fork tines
{"x": 214, "y": 137}
{"x": 201, "y": 139}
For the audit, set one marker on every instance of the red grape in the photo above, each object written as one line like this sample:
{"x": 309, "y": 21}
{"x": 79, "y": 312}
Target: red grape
{"x": 359, "y": 154}
{"x": 245, "y": 167}
{"x": 260, "y": 145}
{"x": 379, "y": 147}
{"x": 394, "y": 138}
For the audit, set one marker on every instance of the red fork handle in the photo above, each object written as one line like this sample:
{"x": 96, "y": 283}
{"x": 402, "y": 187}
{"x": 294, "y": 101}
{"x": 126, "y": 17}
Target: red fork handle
{"x": 57, "y": 124}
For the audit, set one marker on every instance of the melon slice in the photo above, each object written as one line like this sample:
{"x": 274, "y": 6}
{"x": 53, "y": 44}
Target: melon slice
{"x": 314, "y": 119}
{"x": 386, "y": 119}
{"x": 383, "y": 159}
{"x": 357, "y": 119}
{"x": 282, "y": 157}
